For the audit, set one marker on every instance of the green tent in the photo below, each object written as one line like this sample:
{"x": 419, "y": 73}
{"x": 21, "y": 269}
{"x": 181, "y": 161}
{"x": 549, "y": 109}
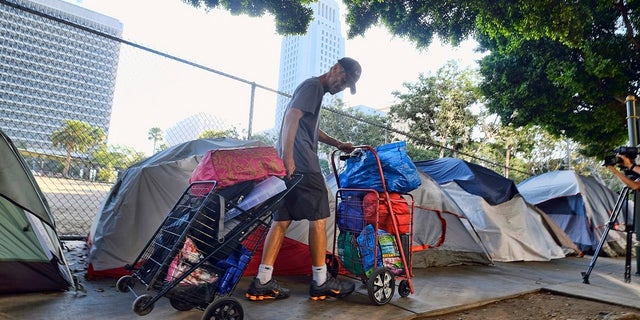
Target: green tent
{"x": 31, "y": 256}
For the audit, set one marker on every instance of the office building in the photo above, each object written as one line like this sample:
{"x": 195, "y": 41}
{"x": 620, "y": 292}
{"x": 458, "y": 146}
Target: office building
{"x": 52, "y": 71}
{"x": 311, "y": 54}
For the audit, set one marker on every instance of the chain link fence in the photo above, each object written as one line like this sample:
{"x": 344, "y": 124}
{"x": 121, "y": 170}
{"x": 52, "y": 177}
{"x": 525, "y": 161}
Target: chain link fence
{"x": 156, "y": 101}
{"x": 53, "y": 88}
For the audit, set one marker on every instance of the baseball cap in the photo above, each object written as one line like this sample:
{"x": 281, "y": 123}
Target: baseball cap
{"x": 352, "y": 70}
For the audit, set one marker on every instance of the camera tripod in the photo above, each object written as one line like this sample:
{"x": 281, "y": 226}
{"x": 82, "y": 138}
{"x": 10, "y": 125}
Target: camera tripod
{"x": 620, "y": 203}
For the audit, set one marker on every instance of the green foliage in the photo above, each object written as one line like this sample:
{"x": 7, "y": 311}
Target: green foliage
{"x": 116, "y": 157}
{"x": 419, "y": 153}
{"x": 437, "y": 109}
{"x": 266, "y": 137}
{"x": 418, "y": 21}
{"x": 353, "y": 125}
{"x": 565, "y": 66}
{"x": 291, "y": 17}
{"x": 545, "y": 83}
{"x": 156, "y": 135}
{"x": 561, "y": 65}
{"x": 76, "y": 136}
{"x": 212, "y": 134}
{"x": 106, "y": 174}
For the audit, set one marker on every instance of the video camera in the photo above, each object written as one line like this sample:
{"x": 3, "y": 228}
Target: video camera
{"x": 614, "y": 159}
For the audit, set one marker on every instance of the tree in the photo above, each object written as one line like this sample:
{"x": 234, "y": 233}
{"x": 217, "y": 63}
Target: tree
{"x": 437, "y": 108}
{"x": 562, "y": 90}
{"x": 352, "y": 125}
{"x": 566, "y": 66}
{"x": 267, "y": 137}
{"x": 212, "y": 134}
{"x": 76, "y": 136}
{"x": 112, "y": 158}
{"x": 291, "y": 17}
{"x": 117, "y": 157}
{"x": 562, "y": 65}
{"x": 155, "y": 135}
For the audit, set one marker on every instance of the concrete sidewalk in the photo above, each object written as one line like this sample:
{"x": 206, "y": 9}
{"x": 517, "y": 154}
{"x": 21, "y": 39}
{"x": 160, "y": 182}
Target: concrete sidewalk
{"x": 436, "y": 290}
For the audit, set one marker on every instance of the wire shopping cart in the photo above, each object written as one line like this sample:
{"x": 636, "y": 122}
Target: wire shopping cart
{"x": 374, "y": 232}
{"x": 198, "y": 254}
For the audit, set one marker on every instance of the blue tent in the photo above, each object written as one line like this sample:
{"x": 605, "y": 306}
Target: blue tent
{"x": 473, "y": 178}
{"x": 510, "y": 228}
{"x": 580, "y": 205}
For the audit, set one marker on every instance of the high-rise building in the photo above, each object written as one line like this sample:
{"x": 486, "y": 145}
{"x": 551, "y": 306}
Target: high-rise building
{"x": 51, "y": 71}
{"x": 311, "y": 54}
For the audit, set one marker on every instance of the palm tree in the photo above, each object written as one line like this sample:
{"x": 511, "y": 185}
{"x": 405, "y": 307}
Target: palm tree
{"x": 76, "y": 136}
{"x": 155, "y": 134}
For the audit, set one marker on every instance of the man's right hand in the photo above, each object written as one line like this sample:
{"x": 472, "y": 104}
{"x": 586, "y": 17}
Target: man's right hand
{"x": 290, "y": 166}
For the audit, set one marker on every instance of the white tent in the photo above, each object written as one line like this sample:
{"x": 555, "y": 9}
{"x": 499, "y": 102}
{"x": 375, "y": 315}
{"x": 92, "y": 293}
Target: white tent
{"x": 442, "y": 234}
{"x": 509, "y": 227}
{"x": 581, "y": 206}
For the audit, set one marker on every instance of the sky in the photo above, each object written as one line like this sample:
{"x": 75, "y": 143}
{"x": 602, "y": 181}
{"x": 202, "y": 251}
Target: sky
{"x": 153, "y": 93}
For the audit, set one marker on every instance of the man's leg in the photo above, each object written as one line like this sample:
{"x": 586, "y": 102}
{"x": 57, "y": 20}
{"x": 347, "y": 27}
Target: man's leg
{"x": 318, "y": 241}
{"x": 263, "y": 286}
{"x": 322, "y": 286}
{"x": 273, "y": 241}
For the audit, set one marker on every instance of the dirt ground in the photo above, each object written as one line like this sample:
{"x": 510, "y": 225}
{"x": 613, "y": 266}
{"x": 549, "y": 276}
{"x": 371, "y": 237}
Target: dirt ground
{"x": 543, "y": 306}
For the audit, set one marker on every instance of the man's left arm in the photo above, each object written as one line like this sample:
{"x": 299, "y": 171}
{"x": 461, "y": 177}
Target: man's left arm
{"x": 343, "y": 146}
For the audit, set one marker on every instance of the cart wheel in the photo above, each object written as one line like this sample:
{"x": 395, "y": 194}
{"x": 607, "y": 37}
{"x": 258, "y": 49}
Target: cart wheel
{"x": 125, "y": 283}
{"x": 180, "y": 305}
{"x": 403, "y": 288}
{"x": 381, "y": 285}
{"x": 224, "y": 308}
{"x": 333, "y": 266}
{"x": 140, "y": 303}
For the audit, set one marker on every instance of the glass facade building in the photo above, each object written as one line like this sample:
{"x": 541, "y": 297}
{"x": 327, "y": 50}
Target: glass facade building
{"x": 51, "y": 71}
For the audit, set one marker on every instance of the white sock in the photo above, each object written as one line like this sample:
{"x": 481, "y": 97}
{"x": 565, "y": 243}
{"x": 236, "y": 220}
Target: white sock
{"x": 319, "y": 274}
{"x": 264, "y": 273}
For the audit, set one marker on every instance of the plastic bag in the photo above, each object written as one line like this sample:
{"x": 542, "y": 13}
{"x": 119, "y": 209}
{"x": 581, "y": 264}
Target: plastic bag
{"x": 400, "y": 208}
{"x": 400, "y": 174}
{"x": 349, "y": 215}
{"x": 366, "y": 247}
{"x": 182, "y": 262}
{"x": 348, "y": 253}
{"x": 390, "y": 254}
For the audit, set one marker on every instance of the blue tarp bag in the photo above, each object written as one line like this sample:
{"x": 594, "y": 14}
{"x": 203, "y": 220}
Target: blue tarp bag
{"x": 366, "y": 247}
{"x": 400, "y": 174}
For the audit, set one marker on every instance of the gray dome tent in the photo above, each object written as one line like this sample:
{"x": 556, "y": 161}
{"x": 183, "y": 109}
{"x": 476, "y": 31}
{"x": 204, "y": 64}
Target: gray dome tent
{"x": 140, "y": 200}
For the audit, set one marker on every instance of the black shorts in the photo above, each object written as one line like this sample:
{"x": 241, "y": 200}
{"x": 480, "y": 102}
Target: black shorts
{"x": 309, "y": 200}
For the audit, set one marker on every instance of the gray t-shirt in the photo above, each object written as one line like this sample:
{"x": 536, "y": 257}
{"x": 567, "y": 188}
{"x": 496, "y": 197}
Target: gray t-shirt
{"x": 308, "y": 98}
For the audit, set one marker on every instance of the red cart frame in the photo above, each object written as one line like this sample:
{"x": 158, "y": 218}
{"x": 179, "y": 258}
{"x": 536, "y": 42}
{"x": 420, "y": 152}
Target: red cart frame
{"x": 358, "y": 235}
